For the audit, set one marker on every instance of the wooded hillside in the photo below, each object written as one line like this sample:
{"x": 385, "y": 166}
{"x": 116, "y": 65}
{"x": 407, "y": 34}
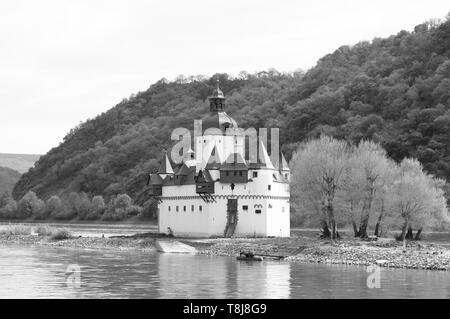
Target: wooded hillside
{"x": 394, "y": 91}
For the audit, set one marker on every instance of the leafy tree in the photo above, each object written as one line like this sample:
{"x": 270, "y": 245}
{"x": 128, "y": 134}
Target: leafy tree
{"x": 29, "y": 205}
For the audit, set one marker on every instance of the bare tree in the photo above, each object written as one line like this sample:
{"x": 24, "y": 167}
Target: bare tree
{"x": 320, "y": 166}
{"x": 416, "y": 197}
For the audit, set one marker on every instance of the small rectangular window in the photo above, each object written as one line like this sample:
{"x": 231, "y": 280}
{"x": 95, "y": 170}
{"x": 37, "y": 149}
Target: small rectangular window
{"x": 269, "y": 187}
{"x": 235, "y": 173}
{"x": 169, "y": 208}
{"x": 176, "y": 208}
{"x": 240, "y": 173}
{"x": 255, "y": 174}
{"x": 192, "y": 208}
{"x": 258, "y": 211}
{"x": 184, "y": 208}
{"x": 228, "y": 173}
{"x": 245, "y": 207}
{"x": 200, "y": 208}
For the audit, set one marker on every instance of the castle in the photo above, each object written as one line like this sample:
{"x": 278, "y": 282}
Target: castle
{"x": 222, "y": 194}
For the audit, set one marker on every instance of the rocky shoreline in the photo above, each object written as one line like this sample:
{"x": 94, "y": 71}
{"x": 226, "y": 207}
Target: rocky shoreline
{"x": 384, "y": 252}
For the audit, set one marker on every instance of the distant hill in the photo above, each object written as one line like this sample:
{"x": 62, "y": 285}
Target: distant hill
{"x": 18, "y": 162}
{"x": 8, "y": 178}
{"x": 394, "y": 90}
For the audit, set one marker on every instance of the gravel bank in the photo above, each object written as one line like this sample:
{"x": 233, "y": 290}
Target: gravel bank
{"x": 80, "y": 242}
{"x": 385, "y": 253}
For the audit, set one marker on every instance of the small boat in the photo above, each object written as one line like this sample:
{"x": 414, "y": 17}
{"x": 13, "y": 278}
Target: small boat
{"x": 249, "y": 257}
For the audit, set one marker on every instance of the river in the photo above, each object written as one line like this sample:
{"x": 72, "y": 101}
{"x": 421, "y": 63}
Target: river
{"x": 41, "y": 272}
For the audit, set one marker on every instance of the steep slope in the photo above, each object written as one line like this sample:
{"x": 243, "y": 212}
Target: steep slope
{"x": 8, "y": 178}
{"x": 395, "y": 91}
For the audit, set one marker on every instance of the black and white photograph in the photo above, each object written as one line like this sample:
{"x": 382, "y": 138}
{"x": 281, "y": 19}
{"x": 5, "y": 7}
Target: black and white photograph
{"x": 224, "y": 154}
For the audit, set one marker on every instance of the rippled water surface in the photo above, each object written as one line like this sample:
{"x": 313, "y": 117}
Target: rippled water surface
{"x": 27, "y": 272}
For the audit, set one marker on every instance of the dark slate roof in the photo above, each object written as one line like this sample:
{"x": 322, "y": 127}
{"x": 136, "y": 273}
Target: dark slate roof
{"x": 234, "y": 162}
{"x": 220, "y": 120}
{"x": 203, "y": 177}
{"x": 155, "y": 179}
{"x": 183, "y": 176}
{"x": 183, "y": 170}
{"x": 165, "y": 167}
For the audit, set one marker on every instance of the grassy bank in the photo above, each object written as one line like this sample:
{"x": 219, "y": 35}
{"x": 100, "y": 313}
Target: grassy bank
{"x": 61, "y": 237}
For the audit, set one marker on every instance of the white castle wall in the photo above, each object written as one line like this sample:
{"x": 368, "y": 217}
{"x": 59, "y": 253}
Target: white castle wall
{"x": 212, "y": 219}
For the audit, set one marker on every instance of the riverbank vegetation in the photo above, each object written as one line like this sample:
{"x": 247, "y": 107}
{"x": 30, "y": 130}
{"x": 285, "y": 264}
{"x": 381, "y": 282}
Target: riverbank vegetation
{"x": 335, "y": 182}
{"x": 73, "y": 207}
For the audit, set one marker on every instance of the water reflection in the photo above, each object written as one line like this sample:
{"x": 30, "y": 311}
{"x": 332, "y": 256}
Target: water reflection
{"x": 191, "y": 276}
{"x": 41, "y": 273}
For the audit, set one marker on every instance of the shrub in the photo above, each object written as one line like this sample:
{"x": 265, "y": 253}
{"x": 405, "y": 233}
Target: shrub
{"x": 61, "y": 234}
{"x": 44, "y": 230}
{"x": 14, "y": 230}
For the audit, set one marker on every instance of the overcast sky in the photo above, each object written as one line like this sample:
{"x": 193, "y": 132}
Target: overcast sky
{"x": 64, "y": 61}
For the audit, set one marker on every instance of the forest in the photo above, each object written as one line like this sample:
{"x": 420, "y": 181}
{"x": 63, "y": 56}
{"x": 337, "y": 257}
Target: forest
{"x": 393, "y": 91}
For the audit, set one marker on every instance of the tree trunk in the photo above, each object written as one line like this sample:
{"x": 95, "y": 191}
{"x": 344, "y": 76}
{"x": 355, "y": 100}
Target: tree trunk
{"x": 365, "y": 215}
{"x": 333, "y": 228}
{"x": 326, "y": 234}
{"x": 355, "y": 228}
{"x": 377, "y": 231}
{"x": 409, "y": 234}
{"x": 402, "y": 235}
{"x": 418, "y": 233}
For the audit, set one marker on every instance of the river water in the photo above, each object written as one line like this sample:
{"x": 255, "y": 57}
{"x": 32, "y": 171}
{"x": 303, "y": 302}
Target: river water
{"x": 48, "y": 272}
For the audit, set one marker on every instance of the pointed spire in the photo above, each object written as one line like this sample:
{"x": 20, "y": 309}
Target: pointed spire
{"x": 264, "y": 156}
{"x": 166, "y": 167}
{"x": 214, "y": 160}
{"x": 284, "y": 164}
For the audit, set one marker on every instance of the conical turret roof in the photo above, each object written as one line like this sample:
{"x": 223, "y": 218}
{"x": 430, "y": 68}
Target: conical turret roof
{"x": 165, "y": 167}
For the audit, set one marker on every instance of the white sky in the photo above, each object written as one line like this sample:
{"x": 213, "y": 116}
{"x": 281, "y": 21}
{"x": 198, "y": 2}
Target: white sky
{"x": 63, "y": 61}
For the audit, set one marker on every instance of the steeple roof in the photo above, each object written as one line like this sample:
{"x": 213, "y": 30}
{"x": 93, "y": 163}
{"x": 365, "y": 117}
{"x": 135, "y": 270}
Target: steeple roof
{"x": 234, "y": 162}
{"x": 217, "y": 93}
{"x": 263, "y": 160}
{"x": 284, "y": 165}
{"x": 217, "y": 118}
{"x": 165, "y": 167}
{"x": 214, "y": 161}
